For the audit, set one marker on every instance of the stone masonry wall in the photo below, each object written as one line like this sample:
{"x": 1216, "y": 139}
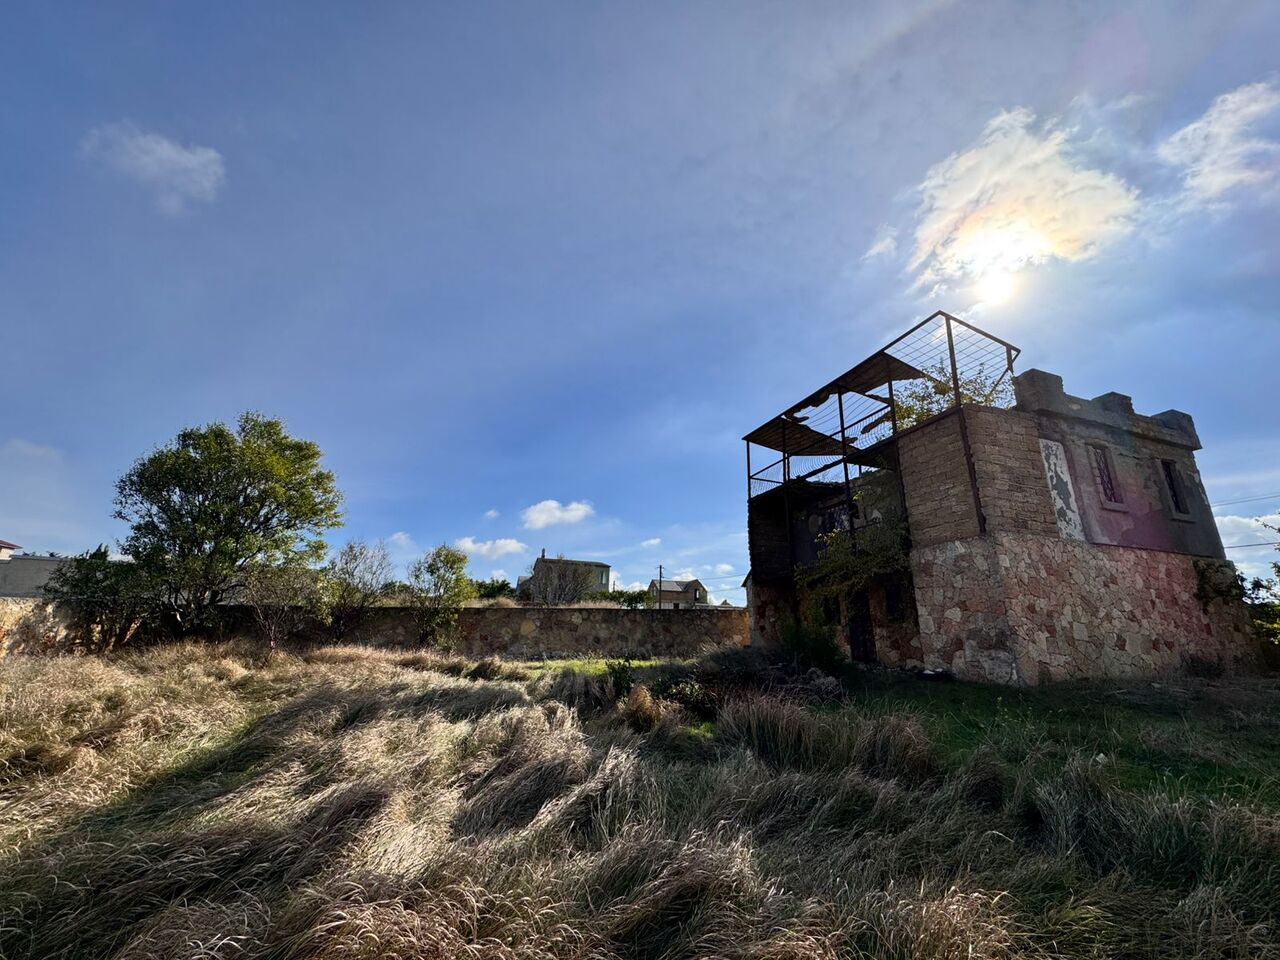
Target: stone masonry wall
{"x": 935, "y": 482}
{"x": 1010, "y": 470}
{"x": 518, "y": 632}
{"x": 1056, "y": 609}
{"x": 30, "y": 625}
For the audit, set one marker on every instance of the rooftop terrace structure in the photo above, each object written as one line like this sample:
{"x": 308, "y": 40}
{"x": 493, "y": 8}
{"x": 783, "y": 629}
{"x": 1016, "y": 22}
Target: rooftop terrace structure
{"x": 1046, "y": 536}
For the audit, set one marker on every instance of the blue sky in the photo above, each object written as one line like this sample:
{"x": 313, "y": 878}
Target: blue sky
{"x": 495, "y": 255}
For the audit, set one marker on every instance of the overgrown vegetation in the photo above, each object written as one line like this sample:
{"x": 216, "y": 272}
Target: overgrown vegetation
{"x": 438, "y": 587}
{"x": 917, "y": 400}
{"x": 187, "y": 801}
{"x": 204, "y": 511}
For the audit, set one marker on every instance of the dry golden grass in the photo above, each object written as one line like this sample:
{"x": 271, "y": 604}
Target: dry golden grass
{"x": 191, "y": 801}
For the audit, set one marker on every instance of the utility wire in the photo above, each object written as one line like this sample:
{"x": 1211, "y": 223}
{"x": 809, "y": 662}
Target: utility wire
{"x": 1228, "y": 503}
{"x": 1241, "y": 546}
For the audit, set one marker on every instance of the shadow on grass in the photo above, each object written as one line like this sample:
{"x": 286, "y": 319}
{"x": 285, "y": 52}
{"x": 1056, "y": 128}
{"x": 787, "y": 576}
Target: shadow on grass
{"x": 89, "y": 886}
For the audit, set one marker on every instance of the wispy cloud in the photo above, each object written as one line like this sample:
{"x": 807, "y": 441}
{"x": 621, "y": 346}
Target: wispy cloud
{"x": 884, "y": 243}
{"x": 491, "y": 514}
{"x": 651, "y": 542}
{"x": 490, "y": 549}
{"x": 547, "y": 513}
{"x": 723, "y": 569}
{"x": 179, "y": 175}
{"x": 1221, "y": 151}
{"x": 1020, "y": 196}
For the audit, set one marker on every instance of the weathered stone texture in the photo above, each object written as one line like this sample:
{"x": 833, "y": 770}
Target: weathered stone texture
{"x": 30, "y": 625}
{"x": 935, "y": 483}
{"x": 1028, "y": 609}
{"x": 1010, "y": 471}
{"x": 534, "y": 633}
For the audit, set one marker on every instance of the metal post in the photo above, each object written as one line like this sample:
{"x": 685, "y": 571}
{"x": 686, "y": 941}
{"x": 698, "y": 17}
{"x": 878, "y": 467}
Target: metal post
{"x": 964, "y": 433}
{"x": 786, "y": 498}
{"x": 844, "y": 461}
{"x": 893, "y": 411}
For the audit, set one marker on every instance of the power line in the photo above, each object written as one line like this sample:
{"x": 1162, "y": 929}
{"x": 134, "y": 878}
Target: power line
{"x": 1241, "y": 546}
{"x": 1228, "y": 503}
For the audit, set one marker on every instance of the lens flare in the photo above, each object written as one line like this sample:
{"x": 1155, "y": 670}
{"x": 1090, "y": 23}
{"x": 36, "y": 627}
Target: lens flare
{"x": 996, "y": 286}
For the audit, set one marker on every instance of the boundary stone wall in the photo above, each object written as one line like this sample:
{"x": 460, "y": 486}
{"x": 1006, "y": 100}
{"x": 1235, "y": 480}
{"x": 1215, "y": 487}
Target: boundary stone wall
{"x": 524, "y": 633}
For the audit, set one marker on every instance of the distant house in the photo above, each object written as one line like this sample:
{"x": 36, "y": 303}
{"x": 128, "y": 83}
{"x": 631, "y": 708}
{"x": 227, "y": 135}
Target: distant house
{"x": 559, "y": 580}
{"x": 22, "y": 575}
{"x": 677, "y": 594}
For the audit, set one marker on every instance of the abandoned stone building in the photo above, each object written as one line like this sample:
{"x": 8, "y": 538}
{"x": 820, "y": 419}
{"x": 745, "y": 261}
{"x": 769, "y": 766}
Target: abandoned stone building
{"x": 1032, "y": 535}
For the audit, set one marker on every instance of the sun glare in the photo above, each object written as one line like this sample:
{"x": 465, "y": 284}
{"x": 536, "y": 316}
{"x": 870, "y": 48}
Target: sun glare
{"x": 996, "y": 286}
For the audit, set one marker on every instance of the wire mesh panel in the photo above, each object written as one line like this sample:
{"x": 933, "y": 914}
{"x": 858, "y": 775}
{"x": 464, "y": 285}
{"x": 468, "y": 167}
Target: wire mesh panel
{"x": 821, "y": 445}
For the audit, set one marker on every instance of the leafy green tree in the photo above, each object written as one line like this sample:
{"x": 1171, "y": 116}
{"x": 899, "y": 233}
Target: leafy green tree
{"x": 214, "y": 502}
{"x": 438, "y": 587}
{"x": 629, "y": 599}
{"x": 358, "y": 576}
{"x": 109, "y": 600}
{"x": 494, "y": 589}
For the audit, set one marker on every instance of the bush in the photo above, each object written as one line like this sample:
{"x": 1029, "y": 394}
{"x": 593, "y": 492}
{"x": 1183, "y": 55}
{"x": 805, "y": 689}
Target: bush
{"x": 109, "y": 600}
{"x": 641, "y": 710}
{"x": 438, "y": 587}
{"x": 809, "y": 646}
{"x": 621, "y": 674}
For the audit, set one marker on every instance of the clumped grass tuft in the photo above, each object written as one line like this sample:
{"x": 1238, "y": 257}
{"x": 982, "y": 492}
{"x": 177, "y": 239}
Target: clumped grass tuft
{"x": 193, "y": 801}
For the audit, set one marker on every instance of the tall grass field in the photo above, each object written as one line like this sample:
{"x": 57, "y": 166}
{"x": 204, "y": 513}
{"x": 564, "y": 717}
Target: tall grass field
{"x": 195, "y": 802}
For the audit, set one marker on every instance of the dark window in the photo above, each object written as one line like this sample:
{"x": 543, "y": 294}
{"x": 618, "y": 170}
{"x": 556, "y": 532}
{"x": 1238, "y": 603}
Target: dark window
{"x": 1173, "y": 483}
{"x": 895, "y": 601}
{"x": 1105, "y": 475}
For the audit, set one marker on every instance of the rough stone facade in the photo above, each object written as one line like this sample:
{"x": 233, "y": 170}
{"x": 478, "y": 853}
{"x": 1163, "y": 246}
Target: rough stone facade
{"x": 1069, "y": 538}
{"x": 935, "y": 483}
{"x": 1031, "y": 609}
{"x": 535, "y": 633}
{"x": 1075, "y": 574}
{"x": 29, "y": 625}
{"x": 551, "y": 632}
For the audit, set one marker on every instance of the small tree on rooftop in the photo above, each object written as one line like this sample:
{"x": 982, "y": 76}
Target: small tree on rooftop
{"x": 356, "y": 578}
{"x": 438, "y": 587}
{"x": 917, "y": 400}
{"x": 216, "y": 501}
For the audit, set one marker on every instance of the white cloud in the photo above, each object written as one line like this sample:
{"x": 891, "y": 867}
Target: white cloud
{"x": 724, "y": 569}
{"x": 402, "y": 548}
{"x": 548, "y": 513}
{"x": 1220, "y": 152}
{"x": 1252, "y": 561}
{"x": 884, "y": 244}
{"x": 491, "y": 514}
{"x": 1018, "y": 197}
{"x": 179, "y": 175}
{"x": 497, "y": 574}
{"x": 651, "y": 542}
{"x": 490, "y": 549}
